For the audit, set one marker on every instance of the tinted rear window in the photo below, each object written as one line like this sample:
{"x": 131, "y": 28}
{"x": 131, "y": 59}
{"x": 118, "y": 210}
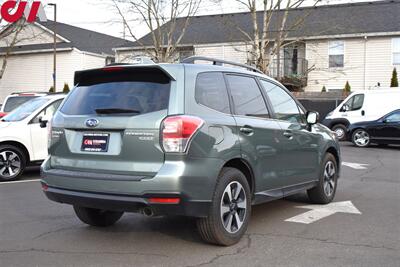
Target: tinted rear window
{"x": 211, "y": 91}
{"x": 16, "y": 101}
{"x": 141, "y": 92}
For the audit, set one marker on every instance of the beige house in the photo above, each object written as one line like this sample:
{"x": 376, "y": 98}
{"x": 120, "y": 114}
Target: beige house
{"x": 359, "y": 43}
{"x": 30, "y": 64}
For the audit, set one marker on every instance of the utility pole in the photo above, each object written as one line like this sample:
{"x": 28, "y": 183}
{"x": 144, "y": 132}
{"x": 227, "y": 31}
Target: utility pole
{"x": 278, "y": 44}
{"x": 55, "y": 47}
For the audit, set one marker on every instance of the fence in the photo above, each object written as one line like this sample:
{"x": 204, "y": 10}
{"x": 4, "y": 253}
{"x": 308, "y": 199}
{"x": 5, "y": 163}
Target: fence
{"x": 321, "y": 102}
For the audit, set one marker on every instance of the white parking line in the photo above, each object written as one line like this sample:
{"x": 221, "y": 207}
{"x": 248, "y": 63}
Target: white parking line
{"x": 357, "y": 166}
{"x": 19, "y": 182}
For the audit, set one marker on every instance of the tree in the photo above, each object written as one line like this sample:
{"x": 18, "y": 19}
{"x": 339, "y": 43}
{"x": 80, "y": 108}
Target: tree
{"x": 394, "y": 82}
{"x": 347, "y": 88}
{"x": 262, "y": 36}
{"x": 66, "y": 88}
{"x": 51, "y": 90}
{"x": 323, "y": 89}
{"x": 9, "y": 36}
{"x": 161, "y": 19}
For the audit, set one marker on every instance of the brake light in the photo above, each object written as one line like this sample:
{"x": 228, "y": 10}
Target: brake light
{"x": 161, "y": 200}
{"x": 177, "y": 131}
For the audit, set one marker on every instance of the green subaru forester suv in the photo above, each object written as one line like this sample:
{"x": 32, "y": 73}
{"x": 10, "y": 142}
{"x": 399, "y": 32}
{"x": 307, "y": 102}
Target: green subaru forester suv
{"x": 201, "y": 140}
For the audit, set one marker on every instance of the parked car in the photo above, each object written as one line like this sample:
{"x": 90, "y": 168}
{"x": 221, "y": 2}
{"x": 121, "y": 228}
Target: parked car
{"x": 362, "y": 106}
{"x": 384, "y": 131}
{"x": 15, "y": 100}
{"x": 188, "y": 139}
{"x": 23, "y": 135}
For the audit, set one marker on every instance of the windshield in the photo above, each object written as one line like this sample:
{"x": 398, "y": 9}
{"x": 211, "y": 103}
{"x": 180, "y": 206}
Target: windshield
{"x": 122, "y": 98}
{"x": 16, "y": 101}
{"x": 25, "y": 109}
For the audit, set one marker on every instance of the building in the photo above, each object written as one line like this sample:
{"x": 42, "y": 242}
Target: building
{"x": 30, "y": 65}
{"x": 359, "y": 43}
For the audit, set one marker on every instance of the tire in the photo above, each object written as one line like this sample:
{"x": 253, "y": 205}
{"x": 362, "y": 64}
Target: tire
{"x": 340, "y": 130}
{"x": 360, "y": 138}
{"x": 12, "y": 162}
{"x": 235, "y": 214}
{"x": 325, "y": 191}
{"x": 96, "y": 217}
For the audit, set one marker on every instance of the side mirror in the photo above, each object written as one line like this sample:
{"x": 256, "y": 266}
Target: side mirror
{"x": 384, "y": 120}
{"x": 312, "y": 117}
{"x": 345, "y": 108}
{"x": 43, "y": 121}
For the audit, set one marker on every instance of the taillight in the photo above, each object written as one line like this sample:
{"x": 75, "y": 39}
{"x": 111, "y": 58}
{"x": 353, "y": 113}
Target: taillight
{"x": 177, "y": 131}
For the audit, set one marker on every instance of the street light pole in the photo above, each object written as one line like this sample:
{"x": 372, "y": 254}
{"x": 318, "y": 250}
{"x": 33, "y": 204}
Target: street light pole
{"x": 55, "y": 47}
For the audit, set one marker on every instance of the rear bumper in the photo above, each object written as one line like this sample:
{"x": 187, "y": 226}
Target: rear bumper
{"x": 124, "y": 203}
{"x": 185, "y": 180}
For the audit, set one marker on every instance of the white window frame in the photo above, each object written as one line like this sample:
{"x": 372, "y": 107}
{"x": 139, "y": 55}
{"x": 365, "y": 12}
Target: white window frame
{"x": 335, "y": 54}
{"x": 395, "y": 51}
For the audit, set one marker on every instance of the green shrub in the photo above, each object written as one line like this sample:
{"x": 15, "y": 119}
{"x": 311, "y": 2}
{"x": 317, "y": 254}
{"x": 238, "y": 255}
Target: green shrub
{"x": 66, "y": 88}
{"x": 323, "y": 89}
{"x": 347, "y": 87}
{"x": 51, "y": 90}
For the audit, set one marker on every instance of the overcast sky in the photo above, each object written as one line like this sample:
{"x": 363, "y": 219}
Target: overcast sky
{"x": 98, "y": 16}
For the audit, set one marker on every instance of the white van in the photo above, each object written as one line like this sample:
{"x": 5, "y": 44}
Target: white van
{"x": 362, "y": 106}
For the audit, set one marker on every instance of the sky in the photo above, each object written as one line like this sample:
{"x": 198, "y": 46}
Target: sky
{"x": 99, "y": 16}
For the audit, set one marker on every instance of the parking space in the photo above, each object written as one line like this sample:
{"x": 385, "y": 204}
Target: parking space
{"x": 38, "y": 232}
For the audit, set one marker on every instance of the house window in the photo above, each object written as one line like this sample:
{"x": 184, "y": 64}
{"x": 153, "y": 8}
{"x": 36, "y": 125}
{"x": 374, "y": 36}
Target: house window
{"x": 396, "y": 51}
{"x": 336, "y": 54}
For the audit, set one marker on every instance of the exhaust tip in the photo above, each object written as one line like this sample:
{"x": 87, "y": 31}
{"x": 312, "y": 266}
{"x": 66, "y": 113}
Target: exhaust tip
{"x": 147, "y": 211}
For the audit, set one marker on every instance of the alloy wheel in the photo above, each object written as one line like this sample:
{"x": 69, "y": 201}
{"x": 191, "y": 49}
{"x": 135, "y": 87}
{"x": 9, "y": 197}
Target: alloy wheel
{"x": 340, "y": 133}
{"x": 233, "y": 207}
{"x": 329, "y": 178}
{"x": 10, "y": 164}
{"x": 361, "y": 138}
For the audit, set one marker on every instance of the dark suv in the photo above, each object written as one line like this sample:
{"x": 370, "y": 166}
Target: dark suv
{"x": 189, "y": 139}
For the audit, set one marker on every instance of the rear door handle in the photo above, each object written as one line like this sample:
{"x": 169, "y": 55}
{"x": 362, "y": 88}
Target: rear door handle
{"x": 288, "y": 134}
{"x": 247, "y": 130}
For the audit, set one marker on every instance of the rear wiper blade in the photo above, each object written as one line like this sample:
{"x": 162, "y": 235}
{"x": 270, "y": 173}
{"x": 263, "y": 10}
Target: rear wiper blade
{"x": 116, "y": 111}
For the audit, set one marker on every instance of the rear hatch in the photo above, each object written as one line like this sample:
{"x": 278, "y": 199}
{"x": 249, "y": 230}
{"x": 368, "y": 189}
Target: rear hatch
{"x": 110, "y": 122}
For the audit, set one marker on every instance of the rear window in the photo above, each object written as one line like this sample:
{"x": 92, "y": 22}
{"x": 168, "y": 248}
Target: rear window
{"x": 16, "y": 101}
{"x": 117, "y": 94}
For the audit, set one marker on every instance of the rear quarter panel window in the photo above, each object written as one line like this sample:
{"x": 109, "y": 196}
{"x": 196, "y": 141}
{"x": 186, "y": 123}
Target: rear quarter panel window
{"x": 211, "y": 91}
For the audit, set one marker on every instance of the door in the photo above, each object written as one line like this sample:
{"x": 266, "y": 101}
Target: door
{"x": 388, "y": 130}
{"x": 298, "y": 147}
{"x": 257, "y": 131}
{"x": 39, "y": 135}
{"x": 353, "y": 110}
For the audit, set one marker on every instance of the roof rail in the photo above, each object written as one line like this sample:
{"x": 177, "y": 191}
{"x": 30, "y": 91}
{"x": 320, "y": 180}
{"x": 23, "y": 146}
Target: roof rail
{"x": 219, "y": 62}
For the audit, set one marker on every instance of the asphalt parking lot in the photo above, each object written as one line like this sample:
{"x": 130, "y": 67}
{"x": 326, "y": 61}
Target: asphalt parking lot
{"x": 37, "y": 232}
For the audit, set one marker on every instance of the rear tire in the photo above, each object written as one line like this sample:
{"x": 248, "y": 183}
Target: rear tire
{"x": 96, "y": 217}
{"x": 340, "y": 130}
{"x": 361, "y": 138}
{"x": 230, "y": 210}
{"x": 325, "y": 191}
{"x": 12, "y": 162}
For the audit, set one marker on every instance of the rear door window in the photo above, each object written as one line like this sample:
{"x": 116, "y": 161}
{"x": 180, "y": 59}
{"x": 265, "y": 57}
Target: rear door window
{"x": 247, "y": 97}
{"x": 123, "y": 93}
{"x": 211, "y": 91}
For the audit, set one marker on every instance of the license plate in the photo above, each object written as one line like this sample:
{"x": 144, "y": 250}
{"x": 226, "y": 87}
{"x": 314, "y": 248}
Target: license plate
{"x": 95, "y": 142}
